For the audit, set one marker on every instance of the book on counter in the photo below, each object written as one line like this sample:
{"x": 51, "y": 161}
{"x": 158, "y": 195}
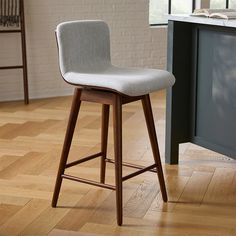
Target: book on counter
{"x": 216, "y": 13}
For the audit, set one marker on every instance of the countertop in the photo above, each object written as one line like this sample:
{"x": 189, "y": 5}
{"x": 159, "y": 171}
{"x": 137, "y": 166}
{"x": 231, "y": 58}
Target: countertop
{"x": 202, "y": 20}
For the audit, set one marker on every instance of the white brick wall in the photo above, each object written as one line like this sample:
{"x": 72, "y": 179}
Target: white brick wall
{"x": 133, "y": 42}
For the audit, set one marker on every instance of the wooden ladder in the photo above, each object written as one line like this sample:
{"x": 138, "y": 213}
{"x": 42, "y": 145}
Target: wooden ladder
{"x": 21, "y": 30}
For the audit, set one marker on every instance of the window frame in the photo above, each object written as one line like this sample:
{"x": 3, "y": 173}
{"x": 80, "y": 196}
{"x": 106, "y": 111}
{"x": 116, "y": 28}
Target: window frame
{"x": 193, "y": 8}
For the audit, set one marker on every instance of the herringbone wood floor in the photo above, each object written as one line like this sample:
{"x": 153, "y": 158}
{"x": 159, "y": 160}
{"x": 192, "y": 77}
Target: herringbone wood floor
{"x": 202, "y": 188}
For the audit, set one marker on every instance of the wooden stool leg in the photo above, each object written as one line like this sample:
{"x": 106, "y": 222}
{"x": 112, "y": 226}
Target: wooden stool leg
{"x": 153, "y": 139}
{"x": 105, "y": 123}
{"x": 117, "y": 120}
{"x": 67, "y": 143}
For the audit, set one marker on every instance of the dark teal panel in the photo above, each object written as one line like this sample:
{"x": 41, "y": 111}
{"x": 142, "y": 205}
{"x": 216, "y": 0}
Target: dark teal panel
{"x": 216, "y": 88}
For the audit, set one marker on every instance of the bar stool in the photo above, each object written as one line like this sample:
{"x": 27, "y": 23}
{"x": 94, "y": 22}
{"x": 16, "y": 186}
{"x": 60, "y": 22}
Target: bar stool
{"x": 84, "y": 59}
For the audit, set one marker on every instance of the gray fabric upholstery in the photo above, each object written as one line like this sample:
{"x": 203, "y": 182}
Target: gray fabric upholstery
{"x": 84, "y": 58}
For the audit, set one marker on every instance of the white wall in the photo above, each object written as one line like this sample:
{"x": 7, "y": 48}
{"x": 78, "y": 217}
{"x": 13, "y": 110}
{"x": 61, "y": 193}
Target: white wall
{"x": 133, "y": 42}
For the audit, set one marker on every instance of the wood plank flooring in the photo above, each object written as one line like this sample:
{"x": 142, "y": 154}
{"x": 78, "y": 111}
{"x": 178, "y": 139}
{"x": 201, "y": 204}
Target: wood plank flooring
{"x": 202, "y": 188}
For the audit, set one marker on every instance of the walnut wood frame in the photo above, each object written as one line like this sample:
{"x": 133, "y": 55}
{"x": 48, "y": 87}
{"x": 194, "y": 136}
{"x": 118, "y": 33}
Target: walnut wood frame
{"x": 108, "y": 98}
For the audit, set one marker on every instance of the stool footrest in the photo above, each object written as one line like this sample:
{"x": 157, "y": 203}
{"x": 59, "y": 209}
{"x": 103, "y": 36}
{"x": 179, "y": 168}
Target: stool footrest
{"x": 83, "y": 160}
{"x": 132, "y": 165}
{"x": 108, "y": 186}
{"x": 86, "y": 181}
{"x": 138, "y": 172}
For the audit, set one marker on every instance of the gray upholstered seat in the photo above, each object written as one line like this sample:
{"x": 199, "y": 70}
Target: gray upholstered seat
{"x": 84, "y": 57}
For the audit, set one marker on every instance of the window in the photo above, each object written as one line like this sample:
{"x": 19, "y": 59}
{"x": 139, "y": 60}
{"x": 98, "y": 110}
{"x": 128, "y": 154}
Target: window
{"x": 159, "y": 9}
{"x": 223, "y": 4}
{"x": 232, "y": 4}
{"x": 217, "y": 4}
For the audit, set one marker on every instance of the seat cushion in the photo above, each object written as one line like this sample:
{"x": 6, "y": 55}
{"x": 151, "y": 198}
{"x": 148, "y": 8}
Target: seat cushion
{"x": 128, "y": 81}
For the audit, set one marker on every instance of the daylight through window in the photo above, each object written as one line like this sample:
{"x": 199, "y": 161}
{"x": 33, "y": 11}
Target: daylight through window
{"x": 159, "y": 9}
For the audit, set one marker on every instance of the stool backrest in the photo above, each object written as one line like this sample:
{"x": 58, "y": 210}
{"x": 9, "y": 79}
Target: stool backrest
{"x": 84, "y": 46}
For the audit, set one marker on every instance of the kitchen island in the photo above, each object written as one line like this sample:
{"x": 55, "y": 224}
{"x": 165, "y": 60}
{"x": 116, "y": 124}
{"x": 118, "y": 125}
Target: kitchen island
{"x": 201, "y": 106}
